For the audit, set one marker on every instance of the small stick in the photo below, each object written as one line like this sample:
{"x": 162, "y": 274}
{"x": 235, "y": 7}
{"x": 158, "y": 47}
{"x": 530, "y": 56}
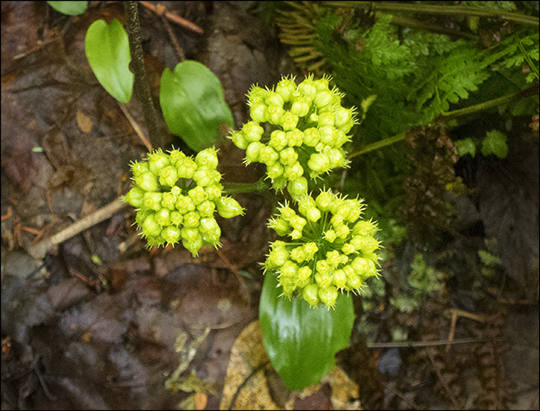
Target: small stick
{"x": 174, "y": 17}
{"x": 39, "y": 250}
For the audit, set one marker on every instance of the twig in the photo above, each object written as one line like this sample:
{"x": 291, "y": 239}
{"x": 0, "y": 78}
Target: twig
{"x": 429, "y": 343}
{"x": 135, "y": 126}
{"x": 141, "y": 85}
{"x": 173, "y": 17}
{"x": 39, "y": 250}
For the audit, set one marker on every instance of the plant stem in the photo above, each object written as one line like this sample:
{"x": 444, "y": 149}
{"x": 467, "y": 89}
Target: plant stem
{"x": 142, "y": 88}
{"x": 435, "y": 9}
{"x": 256, "y": 187}
{"x": 379, "y": 144}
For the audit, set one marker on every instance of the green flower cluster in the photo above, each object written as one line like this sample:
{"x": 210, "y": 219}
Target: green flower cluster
{"x": 332, "y": 248}
{"x": 176, "y": 197}
{"x": 307, "y": 127}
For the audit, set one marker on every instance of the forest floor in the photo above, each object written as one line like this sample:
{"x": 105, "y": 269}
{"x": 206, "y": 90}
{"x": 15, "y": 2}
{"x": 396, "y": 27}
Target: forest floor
{"x": 104, "y": 323}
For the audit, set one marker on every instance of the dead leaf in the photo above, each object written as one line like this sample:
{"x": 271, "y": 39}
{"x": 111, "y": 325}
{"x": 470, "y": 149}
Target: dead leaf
{"x": 84, "y": 122}
{"x": 246, "y": 385}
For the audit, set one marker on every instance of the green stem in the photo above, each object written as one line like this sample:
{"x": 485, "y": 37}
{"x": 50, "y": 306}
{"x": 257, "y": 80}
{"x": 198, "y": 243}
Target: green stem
{"x": 142, "y": 87}
{"x": 435, "y": 9}
{"x": 482, "y": 106}
{"x": 379, "y": 144}
{"x": 256, "y": 187}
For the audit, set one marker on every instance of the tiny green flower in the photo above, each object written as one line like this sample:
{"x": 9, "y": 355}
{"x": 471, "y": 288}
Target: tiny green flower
{"x": 176, "y": 197}
{"x": 323, "y": 255}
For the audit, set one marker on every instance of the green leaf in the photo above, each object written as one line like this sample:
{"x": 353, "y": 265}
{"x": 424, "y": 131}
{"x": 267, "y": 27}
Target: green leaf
{"x": 72, "y": 8}
{"x": 495, "y": 143}
{"x": 302, "y": 342}
{"x": 466, "y": 146}
{"x": 192, "y": 101}
{"x": 107, "y": 50}
{"x": 489, "y": 259}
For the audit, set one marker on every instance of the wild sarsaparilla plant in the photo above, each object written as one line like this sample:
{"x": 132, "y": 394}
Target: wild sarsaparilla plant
{"x": 326, "y": 249}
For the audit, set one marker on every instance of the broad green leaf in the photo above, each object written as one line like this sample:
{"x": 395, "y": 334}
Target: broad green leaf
{"x": 301, "y": 341}
{"x": 495, "y": 143}
{"x": 192, "y": 101}
{"x": 466, "y": 146}
{"x": 71, "y": 8}
{"x": 107, "y": 50}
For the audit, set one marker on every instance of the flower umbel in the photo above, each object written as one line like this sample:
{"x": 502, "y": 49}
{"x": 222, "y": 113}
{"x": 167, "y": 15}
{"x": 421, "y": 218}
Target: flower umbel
{"x": 330, "y": 249}
{"x": 176, "y": 197}
{"x": 307, "y": 128}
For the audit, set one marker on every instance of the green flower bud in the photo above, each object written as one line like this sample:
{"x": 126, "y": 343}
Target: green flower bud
{"x": 288, "y": 121}
{"x": 296, "y": 234}
{"x": 311, "y": 294}
{"x": 313, "y": 214}
{"x": 298, "y": 254}
{"x": 197, "y": 195}
{"x": 319, "y": 163}
{"x": 207, "y": 158}
{"x": 348, "y": 248}
{"x": 184, "y": 204}
{"x": 186, "y": 167}
{"x": 171, "y": 234}
{"x": 297, "y": 222}
{"x": 285, "y": 88}
{"x": 157, "y": 161}
{"x": 288, "y": 156}
{"x": 239, "y": 140}
{"x": 162, "y": 217}
{"x": 168, "y": 176}
{"x": 208, "y": 225}
{"x": 279, "y": 225}
{"x": 139, "y": 168}
{"x": 153, "y": 201}
{"x": 258, "y": 112}
{"x": 175, "y": 156}
{"x": 154, "y": 240}
{"x": 323, "y": 98}
{"x": 176, "y": 218}
{"x": 214, "y": 191}
{"x": 342, "y": 116}
{"x": 191, "y": 219}
{"x": 311, "y": 137}
{"x": 328, "y": 295}
{"x": 294, "y": 172}
{"x": 323, "y": 280}
{"x": 336, "y": 158}
{"x": 342, "y": 231}
{"x": 257, "y": 95}
{"x": 189, "y": 234}
{"x": 354, "y": 282}
{"x": 228, "y": 207}
{"x": 279, "y": 183}
{"x": 327, "y": 136}
{"x": 310, "y": 250}
{"x": 150, "y": 227}
{"x": 203, "y": 177}
{"x": 274, "y": 99}
{"x": 330, "y": 236}
{"x": 206, "y": 208}
{"x": 168, "y": 201}
{"x": 274, "y": 114}
{"x": 326, "y": 119}
{"x": 287, "y": 212}
{"x": 324, "y": 200}
{"x": 146, "y": 181}
{"x": 304, "y": 273}
{"x": 298, "y": 188}
{"x": 268, "y": 155}
{"x": 278, "y": 140}
{"x": 300, "y": 106}
{"x": 289, "y": 269}
{"x": 252, "y": 152}
{"x": 295, "y": 138}
{"x": 275, "y": 170}
{"x": 322, "y": 84}
{"x": 339, "y": 279}
{"x": 135, "y": 197}
{"x": 365, "y": 228}
{"x": 323, "y": 267}
{"x": 252, "y": 131}
{"x": 276, "y": 258}
{"x": 194, "y": 245}
{"x": 307, "y": 89}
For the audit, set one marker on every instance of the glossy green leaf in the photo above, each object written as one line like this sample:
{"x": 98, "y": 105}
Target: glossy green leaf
{"x": 192, "y": 101}
{"x": 302, "y": 342}
{"x": 107, "y": 50}
{"x": 495, "y": 143}
{"x": 71, "y": 8}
